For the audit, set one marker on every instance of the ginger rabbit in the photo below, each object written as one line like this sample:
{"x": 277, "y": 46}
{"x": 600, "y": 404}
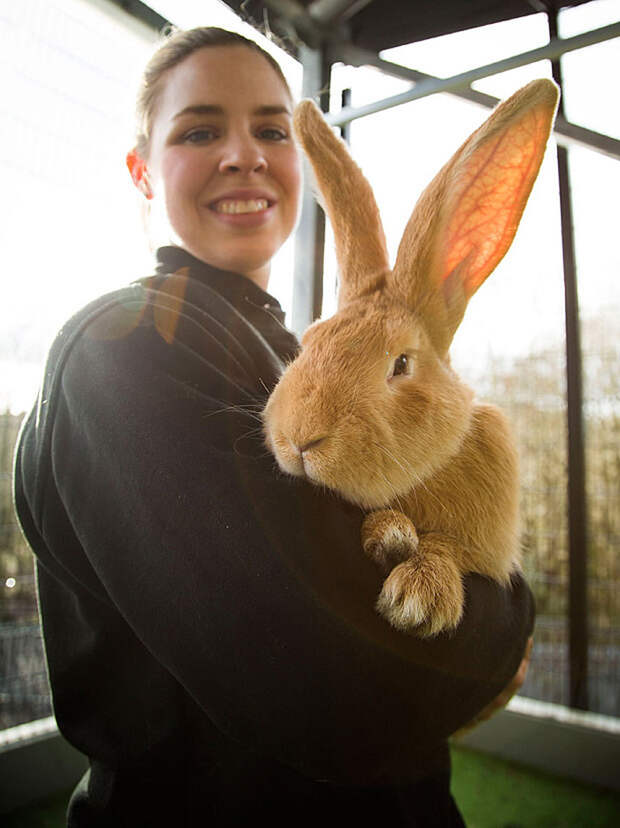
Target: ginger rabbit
{"x": 371, "y": 407}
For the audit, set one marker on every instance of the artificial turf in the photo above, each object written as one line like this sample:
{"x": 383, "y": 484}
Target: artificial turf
{"x": 492, "y": 793}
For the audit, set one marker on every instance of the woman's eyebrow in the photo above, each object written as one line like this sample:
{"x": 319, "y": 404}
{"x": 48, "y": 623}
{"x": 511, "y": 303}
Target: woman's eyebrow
{"x": 199, "y": 109}
{"x": 215, "y": 109}
{"x": 278, "y": 109}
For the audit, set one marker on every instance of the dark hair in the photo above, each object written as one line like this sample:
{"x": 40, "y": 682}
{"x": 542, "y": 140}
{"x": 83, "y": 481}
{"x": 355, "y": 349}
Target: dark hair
{"x": 177, "y": 46}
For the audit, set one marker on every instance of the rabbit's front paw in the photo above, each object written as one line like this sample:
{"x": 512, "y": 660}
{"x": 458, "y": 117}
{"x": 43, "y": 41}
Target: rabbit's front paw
{"x": 423, "y": 595}
{"x": 388, "y": 537}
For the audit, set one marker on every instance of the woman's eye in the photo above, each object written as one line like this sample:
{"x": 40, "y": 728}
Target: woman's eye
{"x": 199, "y": 136}
{"x": 273, "y": 134}
{"x": 401, "y": 365}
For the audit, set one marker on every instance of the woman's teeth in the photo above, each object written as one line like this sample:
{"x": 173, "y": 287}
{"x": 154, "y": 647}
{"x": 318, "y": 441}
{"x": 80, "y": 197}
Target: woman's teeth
{"x": 254, "y": 205}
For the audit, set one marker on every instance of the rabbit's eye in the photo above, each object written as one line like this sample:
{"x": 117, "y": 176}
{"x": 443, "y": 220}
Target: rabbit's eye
{"x": 401, "y": 364}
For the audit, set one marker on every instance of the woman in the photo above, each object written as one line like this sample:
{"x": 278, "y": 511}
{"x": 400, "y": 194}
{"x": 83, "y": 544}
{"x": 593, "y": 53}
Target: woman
{"x": 209, "y": 623}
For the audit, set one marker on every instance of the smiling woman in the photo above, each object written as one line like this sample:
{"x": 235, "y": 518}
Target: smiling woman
{"x": 221, "y": 160}
{"x": 209, "y": 623}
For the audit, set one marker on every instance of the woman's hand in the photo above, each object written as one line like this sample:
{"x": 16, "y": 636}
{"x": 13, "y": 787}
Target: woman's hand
{"x": 500, "y": 701}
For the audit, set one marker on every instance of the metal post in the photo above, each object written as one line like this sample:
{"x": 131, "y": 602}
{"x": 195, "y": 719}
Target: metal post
{"x": 310, "y": 237}
{"x": 345, "y": 129}
{"x": 577, "y": 515}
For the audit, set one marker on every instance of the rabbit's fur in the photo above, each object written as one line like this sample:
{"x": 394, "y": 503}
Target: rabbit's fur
{"x": 371, "y": 407}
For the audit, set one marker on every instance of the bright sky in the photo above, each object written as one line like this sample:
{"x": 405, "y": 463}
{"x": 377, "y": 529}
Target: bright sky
{"x": 70, "y": 222}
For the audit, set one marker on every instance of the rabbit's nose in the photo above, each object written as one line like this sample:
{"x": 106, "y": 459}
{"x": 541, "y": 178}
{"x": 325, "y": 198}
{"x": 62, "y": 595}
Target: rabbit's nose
{"x": 310, "y": 444}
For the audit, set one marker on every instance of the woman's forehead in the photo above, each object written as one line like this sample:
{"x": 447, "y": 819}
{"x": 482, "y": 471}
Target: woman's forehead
{"x": 224, "y": 77}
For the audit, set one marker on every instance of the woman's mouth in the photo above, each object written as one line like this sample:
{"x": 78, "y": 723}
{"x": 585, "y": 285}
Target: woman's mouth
{"x": 235, "y": 207}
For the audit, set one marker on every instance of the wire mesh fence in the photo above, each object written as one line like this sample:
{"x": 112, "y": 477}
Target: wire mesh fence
{"x": 24, "y": 687}
{"x": 532, "y": 391}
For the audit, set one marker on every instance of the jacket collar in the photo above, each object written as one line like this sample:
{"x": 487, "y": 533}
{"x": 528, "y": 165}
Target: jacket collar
{"x": 234, "y": 287}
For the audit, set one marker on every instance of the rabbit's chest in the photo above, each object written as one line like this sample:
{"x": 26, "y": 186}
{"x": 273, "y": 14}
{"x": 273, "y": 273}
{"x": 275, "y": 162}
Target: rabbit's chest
{"x": 474, "y": 496}
{"x": 434, "y": 511}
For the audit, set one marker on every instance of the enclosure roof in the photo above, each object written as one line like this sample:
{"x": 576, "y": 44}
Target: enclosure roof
{"x": 382, "y": 24}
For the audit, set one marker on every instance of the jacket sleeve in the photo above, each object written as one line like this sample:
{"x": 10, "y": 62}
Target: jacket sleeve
{"x": 249, "y": 587}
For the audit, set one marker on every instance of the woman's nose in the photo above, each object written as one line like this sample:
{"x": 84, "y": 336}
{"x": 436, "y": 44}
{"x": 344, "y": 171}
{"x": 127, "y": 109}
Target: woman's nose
{"x": 241, "y": 154}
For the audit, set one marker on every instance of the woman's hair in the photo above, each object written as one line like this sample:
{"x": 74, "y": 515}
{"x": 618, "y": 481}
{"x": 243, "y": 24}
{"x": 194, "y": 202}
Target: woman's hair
{"x": 177, "y": 46}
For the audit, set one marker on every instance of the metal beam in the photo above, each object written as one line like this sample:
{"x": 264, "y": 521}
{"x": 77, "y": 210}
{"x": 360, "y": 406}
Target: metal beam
{"x": 356, "y": 56}
{"x": 295, "y": 18}
{"x": 327, "y": 11}
{"x": 310, "y": 236}
{"x": 577, "y": 512}
{"x": 555, "y": 48}
{"x": 143, "y": 13}
{"x": 566, "y": 133}
{"x": 345, "y": 129}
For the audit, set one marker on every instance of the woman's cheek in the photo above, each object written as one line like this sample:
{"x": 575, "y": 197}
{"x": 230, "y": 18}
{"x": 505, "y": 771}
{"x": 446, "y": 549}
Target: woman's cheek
{"x": 180, "y": 169}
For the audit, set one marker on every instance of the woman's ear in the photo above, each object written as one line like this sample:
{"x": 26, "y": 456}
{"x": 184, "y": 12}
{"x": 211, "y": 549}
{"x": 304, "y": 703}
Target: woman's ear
{"x": 139, "y": 175}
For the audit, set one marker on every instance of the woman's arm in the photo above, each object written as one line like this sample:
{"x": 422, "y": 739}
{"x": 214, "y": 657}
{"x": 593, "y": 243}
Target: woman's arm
{"x": 249, "y": 587}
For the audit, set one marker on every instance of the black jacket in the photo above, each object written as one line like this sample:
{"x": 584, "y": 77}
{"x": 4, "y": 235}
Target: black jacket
{"x": 209, "y": 623}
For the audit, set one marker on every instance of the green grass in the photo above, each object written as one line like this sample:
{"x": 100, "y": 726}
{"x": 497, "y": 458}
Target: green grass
{"x": 49, "y": 813}
{"x": 490, "y": 793}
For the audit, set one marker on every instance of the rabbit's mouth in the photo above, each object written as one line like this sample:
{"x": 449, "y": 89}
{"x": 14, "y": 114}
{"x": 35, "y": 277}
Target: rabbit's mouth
{"x": 302, "y": 464}
{"x": 298, "y": 460}
{"x": 308, "y": 464}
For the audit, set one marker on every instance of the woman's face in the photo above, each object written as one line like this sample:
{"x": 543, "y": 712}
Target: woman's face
{"x": 222, "y": 163}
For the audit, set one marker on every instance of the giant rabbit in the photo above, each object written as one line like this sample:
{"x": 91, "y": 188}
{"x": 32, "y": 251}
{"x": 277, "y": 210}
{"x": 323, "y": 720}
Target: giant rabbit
{"x": 371, "y": 407}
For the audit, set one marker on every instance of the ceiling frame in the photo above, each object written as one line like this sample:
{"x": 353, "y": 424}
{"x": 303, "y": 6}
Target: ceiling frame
{"x": 566, "y": 132}
{"x": 425, "y": 85}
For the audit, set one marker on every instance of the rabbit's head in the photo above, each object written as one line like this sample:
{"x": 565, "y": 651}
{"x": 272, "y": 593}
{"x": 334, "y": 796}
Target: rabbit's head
{"x": 371, "y": 405}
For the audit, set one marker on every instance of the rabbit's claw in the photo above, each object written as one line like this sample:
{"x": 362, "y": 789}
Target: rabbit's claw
{"x": 423, "y": 595}
{"x": 388, "y": 537}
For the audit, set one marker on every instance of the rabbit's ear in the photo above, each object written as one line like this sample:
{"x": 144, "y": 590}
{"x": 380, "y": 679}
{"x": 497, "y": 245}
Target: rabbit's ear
{"x": 349, "y": 202}
{"x": 467, "y": 217}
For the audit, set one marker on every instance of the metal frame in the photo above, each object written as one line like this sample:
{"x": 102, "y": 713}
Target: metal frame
{"x": 566, "y": 133}
{"x": 143, "y": 12}
{"x": 577, "y": 510}
{"x": 310, "y": 236}
{"x": 428, "y": 85}
{"x": 332, "y": 51}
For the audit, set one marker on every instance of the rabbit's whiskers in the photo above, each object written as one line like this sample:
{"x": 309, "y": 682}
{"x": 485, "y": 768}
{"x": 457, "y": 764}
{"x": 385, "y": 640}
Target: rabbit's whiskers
{"x": 408, "y": 472}
{"x": 253, "y": 410}
{"x": 394, "y": 459}
{"x": 250, "y": 435}
{"x": 416, "y": 480}
{"x": 396, "y": 498}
